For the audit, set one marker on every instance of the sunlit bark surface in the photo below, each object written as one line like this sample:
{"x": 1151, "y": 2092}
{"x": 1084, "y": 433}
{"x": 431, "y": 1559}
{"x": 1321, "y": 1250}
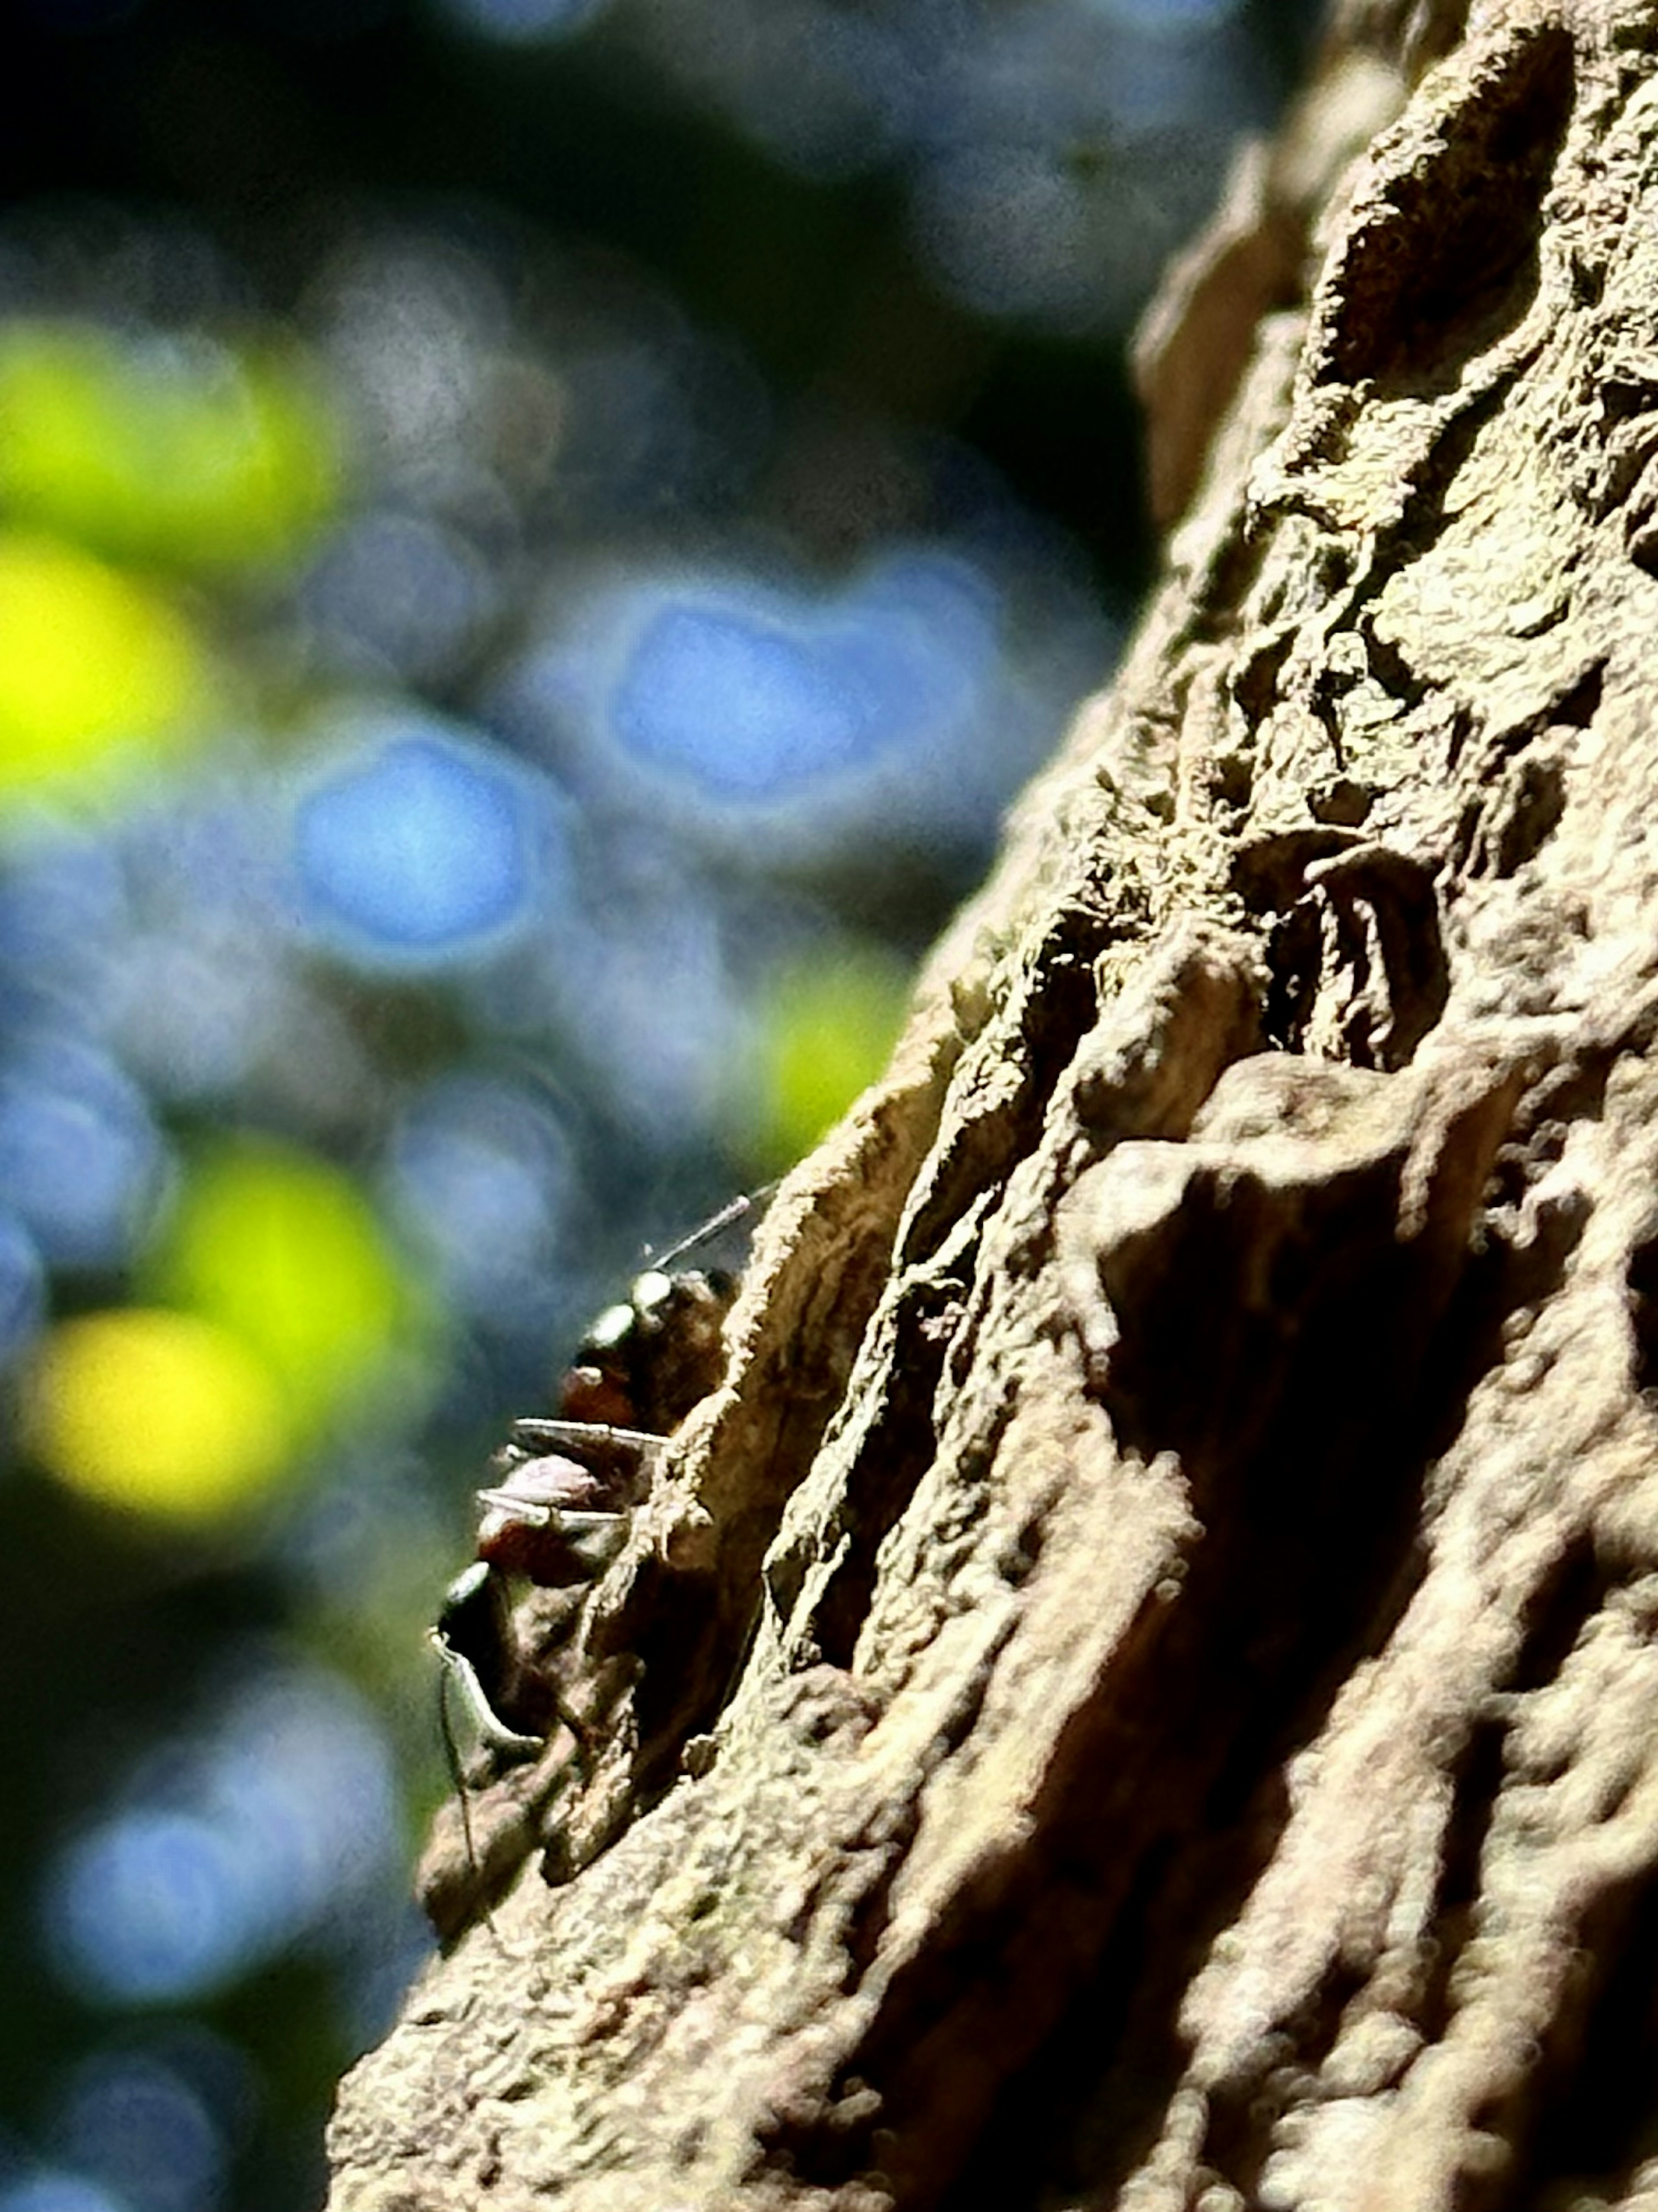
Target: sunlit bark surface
{"x": 1141, "y": 1688}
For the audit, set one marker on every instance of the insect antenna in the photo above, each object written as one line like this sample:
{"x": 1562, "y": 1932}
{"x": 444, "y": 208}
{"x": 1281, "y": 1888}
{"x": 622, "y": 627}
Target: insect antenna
{"x": 463, "y": 1798}
{"x": 744, "y": 1204}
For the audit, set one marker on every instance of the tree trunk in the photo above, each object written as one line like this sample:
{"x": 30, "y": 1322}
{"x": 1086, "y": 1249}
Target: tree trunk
{"x": 1141, "y": 1687}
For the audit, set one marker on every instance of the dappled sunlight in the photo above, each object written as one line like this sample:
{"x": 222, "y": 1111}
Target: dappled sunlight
{"x": 100, "y": 673}
{"x": 416, "y": 846}
{"x": 286, "y": 1252}
{"x": 823, "y": 1030}
{"x": 777, "y": 720}
{"x": 172, "y": 448}
{"x": 155, "y": 1413}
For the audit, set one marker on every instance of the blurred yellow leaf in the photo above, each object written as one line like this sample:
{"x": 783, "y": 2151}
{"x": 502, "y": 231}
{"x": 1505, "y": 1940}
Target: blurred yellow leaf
{"x": 181, "y": 450}
{"x": 284, "y": 1250}
{"x": 155, "y": 1411}
{"x": 94, "y": 667}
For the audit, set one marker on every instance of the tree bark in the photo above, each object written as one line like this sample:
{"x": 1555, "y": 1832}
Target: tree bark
{"x": 1141, "y": 1686}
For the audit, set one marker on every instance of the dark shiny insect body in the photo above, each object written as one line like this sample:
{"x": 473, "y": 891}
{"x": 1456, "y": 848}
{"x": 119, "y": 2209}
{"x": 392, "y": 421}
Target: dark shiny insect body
{"x": 553, "y": 1514}
{"x": 646, "y": 1360}
{"x": 556, "y": 1509}
{"x": 551, "y": 1519}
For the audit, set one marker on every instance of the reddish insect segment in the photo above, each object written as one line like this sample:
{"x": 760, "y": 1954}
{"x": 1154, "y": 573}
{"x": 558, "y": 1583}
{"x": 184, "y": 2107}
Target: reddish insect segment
{"x": 647, "y": 1361}
{"x": 554, "y": 1517}
{"x": 556, "y": 1511}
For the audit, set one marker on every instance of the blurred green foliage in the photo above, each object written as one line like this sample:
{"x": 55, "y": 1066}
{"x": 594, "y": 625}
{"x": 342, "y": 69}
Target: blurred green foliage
{"x": 179, "y": 450}
{"x": 102, "y": 676}
{"x": 824, "y": 1029}
{"x": 286, "y": 1253}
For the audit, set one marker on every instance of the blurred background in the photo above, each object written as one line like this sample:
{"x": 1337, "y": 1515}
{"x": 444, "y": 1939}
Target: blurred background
{"x": 537, "y": 539}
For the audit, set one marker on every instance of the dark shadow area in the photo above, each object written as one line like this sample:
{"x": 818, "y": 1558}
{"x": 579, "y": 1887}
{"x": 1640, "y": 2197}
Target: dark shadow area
{"x": 1643, "y": 1282}
{"x": 1591, "y": 2120}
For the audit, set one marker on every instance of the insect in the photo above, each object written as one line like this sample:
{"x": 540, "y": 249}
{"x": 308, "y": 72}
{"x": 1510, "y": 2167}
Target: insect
{"x": 556, "y": 1509}
{"x": 646, "y": 1360}
{"x": 556, "y": 1516}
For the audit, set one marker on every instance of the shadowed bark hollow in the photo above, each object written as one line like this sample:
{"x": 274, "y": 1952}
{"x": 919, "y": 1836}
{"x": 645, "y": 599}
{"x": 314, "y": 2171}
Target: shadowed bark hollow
{"x": 1140, "y": 1688}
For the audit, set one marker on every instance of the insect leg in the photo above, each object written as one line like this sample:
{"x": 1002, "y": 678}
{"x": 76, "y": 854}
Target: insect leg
{"x": 458, "y": 1668}
{"x": 539, "y": 1435}
{"x": 536, "y": 1513}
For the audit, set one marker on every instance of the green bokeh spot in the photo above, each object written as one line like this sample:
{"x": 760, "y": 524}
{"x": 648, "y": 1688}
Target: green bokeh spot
{"x": 97, "y": 672}
{"x": 184, "y": 451}
{"x": 827, "y": 1026}
{"x": 284, "y": 1250}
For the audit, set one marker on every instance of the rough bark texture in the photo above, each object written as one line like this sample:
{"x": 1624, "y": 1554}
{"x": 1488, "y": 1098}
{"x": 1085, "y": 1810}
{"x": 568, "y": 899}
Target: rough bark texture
{"x": 1141, "y": 1688}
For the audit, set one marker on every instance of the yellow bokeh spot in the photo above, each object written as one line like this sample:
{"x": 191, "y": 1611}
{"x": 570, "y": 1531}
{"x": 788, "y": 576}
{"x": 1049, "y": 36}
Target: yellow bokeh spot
{"x": 155, "y": 1411}
{"x": 186, "y": 451}
{"x": 93, "y": 666}
{"x": 827, "y": 1026}
{"x": 284, "y": 1250}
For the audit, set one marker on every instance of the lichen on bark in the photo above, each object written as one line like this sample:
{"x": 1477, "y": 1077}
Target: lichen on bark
{"x": 1141, "y": 1686}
